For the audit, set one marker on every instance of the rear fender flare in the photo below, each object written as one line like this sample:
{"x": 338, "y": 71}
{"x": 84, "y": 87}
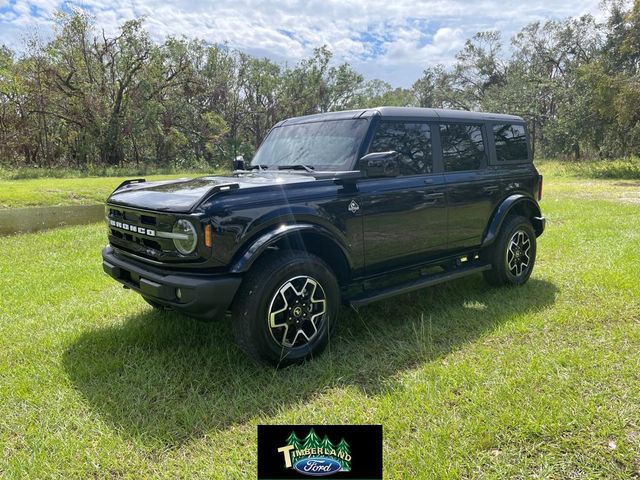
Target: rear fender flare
{"x": 502, "y": 212}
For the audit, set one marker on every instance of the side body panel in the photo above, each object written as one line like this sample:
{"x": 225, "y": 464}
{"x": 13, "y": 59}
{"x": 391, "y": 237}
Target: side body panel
{"x": 404, "y": 219}
{"x": 241, "y": 218}
{"x": 472, "y": 197}
{"x": 519, "y": 178}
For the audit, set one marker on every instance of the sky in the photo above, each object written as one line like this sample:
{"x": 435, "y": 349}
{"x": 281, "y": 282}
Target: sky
{"x": 393, "y": 40}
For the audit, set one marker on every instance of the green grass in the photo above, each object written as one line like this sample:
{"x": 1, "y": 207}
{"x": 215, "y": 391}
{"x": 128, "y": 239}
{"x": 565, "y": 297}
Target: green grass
{"x": 26, "y": 173}
{"x": 66, "y": 191}
{"x": 627, "y": 168}
{"x": 469, "y": 381}
{"x": 42, "y": 187}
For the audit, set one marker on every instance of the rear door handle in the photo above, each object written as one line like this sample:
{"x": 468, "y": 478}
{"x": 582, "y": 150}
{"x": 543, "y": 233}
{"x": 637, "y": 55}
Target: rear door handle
{"x": 490, "y": 189}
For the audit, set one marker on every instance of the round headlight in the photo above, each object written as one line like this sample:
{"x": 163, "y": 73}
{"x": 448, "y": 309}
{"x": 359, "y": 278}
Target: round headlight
{"x": 186, "y": 237}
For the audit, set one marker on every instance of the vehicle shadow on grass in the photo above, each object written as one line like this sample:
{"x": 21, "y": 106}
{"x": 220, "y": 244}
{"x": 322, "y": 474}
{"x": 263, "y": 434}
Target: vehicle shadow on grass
{"x": 167, "y": 379}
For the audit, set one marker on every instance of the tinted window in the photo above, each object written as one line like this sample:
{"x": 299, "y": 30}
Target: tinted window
{"x": 511, "y": 143}
{"x": 462, "y": 147}
{"x": 411, "y": 140}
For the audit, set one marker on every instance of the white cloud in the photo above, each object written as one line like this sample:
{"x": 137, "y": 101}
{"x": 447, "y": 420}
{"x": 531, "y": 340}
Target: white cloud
{"x": 392, "y": 40}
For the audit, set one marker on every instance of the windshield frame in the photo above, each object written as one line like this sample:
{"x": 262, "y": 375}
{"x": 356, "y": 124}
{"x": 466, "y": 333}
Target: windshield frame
{"x": 349, "y": 165}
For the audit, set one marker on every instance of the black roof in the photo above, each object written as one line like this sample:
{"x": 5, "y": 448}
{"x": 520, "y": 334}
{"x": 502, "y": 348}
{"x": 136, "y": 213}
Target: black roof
{"x": 413, "y": 113}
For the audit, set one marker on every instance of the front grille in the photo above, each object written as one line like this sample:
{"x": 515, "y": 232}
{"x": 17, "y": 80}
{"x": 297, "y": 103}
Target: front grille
{"x": 141, "y": 241}
{"x": 136, "y": 232}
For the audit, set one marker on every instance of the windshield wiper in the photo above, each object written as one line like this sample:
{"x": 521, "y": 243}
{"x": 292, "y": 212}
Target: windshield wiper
{"x": 298, "y": 166}
{"x": 259, "y": 167}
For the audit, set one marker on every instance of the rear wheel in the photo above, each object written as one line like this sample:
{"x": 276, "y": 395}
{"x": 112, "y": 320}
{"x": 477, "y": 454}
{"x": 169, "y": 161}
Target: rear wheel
{"x": 513, "y": 253}
{"x": 286, "y": 308}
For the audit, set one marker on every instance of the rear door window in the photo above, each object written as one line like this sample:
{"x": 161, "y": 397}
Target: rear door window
{"x": 462, "y": 147}
{"x": 411, "y": 140}
{"x": 511, "y": 143}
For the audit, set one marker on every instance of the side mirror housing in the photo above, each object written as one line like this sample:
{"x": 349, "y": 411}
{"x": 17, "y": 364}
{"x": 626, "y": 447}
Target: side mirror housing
{"x": 238, "y": 163}
{"x": 380, "y": 164}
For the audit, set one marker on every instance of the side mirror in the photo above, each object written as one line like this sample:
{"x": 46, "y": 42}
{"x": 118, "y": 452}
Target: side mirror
{"x": 380, "y": 164}
{"x": 238, "y": 163}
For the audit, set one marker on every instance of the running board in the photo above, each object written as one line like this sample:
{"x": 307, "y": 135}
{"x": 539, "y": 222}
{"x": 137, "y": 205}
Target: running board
{"x": 367, "y": 297}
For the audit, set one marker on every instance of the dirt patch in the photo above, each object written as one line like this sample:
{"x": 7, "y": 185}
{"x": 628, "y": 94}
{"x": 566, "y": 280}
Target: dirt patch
{"x": 627, "y": 184}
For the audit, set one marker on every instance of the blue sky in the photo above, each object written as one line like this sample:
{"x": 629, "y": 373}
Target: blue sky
{"x": 386, "y": 39}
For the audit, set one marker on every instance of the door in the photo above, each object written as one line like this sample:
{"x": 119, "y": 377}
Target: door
{"x": 472, "y": 187}
{"x": 513, "y": 159}
{"x": 404, "y": 217}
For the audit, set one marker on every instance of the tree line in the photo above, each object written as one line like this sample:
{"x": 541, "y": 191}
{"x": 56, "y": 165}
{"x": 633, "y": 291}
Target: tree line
{"x": 85, "y": 98}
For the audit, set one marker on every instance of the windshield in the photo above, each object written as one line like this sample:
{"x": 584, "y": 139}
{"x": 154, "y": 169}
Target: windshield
{"x": 327, "y": 145}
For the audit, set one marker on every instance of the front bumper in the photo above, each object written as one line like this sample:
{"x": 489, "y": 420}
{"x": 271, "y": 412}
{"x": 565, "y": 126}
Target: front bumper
{"x": 201, "y": 296}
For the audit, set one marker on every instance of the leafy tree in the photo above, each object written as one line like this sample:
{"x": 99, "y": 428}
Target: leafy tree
{"x": 377, "y": 93}
{"x": 85, "y": 98}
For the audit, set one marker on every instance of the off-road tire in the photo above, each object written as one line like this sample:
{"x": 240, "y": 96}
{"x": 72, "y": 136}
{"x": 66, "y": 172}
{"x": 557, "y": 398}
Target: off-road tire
{"x": 263, "y": 286}
{"x": 497, "y": 255}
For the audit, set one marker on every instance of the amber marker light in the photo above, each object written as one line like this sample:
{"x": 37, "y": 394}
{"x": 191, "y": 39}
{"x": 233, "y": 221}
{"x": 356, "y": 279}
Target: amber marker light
{"x": 208, "y": 242}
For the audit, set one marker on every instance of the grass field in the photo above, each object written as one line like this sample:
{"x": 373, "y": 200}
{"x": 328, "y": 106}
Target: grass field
{"x": 66, "y": 191}
{"x": 75, "y": 190}
{"x": 627, "y": 168}
{"x": 469, "y": 382}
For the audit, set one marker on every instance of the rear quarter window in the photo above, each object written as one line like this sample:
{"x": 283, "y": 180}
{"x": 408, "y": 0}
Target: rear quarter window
{"x": 511, "y": 143}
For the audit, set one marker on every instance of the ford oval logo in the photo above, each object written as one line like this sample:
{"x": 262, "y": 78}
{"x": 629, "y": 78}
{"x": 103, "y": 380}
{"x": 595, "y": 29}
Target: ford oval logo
{"x": 317, "y": 466}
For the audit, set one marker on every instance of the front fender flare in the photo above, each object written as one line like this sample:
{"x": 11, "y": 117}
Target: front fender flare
{"x": 503, "y": 210}
{"x": 251, "y": 253}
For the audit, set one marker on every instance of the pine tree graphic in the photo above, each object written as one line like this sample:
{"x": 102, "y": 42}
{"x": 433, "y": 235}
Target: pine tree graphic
{"x": 343, "y": 448}
{"x": 312, "y": 440}
{"x": 295, "y": 441}
{"x": 327, "y": 445}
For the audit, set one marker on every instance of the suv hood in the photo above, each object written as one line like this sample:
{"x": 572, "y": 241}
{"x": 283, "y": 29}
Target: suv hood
{"x": 184, "y": 194}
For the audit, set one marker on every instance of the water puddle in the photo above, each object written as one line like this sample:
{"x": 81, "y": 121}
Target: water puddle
{"x": 22, "y": 220}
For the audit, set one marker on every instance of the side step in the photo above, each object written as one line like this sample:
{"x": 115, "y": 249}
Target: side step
{"x": 370, "y": 296}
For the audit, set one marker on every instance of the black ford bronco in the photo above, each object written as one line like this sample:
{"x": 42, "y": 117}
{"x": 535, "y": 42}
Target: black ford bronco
{"x": 347, "y": 207}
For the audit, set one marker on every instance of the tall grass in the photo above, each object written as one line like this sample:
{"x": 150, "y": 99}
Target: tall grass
{"x": 625, "y": 168}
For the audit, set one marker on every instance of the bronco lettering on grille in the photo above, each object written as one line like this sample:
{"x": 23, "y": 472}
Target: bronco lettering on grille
{"x": 132, "y": 228}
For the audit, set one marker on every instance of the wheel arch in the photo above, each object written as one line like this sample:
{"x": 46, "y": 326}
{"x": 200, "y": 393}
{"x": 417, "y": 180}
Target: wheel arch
{"x": 517, "y": 204}
{"x": 309, "y": 238}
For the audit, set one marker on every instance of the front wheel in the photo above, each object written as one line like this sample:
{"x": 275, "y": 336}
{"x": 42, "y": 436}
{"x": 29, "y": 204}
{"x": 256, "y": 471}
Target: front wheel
{"x": 513, "y": 253}
{"x": 286, "y": 308}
